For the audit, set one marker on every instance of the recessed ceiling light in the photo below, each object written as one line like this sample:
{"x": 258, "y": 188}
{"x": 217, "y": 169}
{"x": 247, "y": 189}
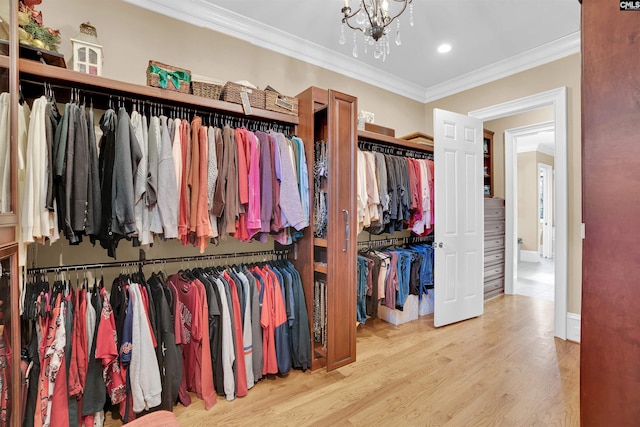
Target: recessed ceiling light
{"x": 444, "y": 48}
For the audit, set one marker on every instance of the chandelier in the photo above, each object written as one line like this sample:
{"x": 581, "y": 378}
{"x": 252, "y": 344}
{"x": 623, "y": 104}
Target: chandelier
{"x": 372, "y": 18}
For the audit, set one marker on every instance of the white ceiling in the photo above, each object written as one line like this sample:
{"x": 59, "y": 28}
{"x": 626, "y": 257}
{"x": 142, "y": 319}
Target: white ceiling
{"x": 490, "y": 38}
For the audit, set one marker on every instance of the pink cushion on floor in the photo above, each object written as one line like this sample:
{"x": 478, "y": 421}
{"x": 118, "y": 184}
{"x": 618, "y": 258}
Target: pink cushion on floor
{"x": 156, "y": 419}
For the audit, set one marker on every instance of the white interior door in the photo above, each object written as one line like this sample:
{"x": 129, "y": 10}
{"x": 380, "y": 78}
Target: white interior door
{"x": 459, "y": 218}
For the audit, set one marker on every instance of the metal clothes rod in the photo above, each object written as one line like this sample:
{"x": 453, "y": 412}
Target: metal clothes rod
{"x": 142, "y": 262}
{"x": 395, "y": 241}
{"x": 394, "y": 150}
{"x": 114, "y": 101}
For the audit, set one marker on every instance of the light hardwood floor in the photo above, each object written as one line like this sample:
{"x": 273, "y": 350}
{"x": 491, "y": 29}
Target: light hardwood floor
{"x": 536, "y": 279}
{"x": 504, "y": 368}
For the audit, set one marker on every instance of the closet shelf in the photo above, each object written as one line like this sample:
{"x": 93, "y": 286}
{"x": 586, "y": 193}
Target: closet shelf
{"x": 376, "y": 137}
{"x": 320, "y": 267}
{"x": 320, "y": 352}
{"x": 320, "y": 242}
{"x": 51, "y": 74}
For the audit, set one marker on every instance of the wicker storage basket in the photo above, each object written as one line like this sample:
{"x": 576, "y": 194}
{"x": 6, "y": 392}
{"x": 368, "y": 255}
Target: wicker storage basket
{"x": 154, "y": 79}
{"x": 231, "y": 93}
{"x": 206, "y": 90}
{"x": 280, "y": 103}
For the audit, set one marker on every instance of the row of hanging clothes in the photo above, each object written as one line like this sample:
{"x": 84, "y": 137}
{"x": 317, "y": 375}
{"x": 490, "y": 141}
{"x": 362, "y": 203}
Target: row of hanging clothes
{"x": 145, "y": 173}
{"x": 7, "y": 410}
{"x": 150, "y": 340}
{"x": 388, "y": 275}
{"x": 395, "y": 190}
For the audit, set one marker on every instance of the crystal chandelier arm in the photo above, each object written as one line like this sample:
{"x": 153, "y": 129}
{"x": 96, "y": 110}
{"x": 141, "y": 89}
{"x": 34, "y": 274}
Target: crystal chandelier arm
{"x": 348, "y": 15}
{"x": 366, "y": 9}
{"x": 404, "y": 7}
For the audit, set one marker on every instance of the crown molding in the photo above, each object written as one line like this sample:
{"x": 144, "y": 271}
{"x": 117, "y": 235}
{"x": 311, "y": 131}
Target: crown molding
{"x": 548, "y": 52}
{"x": 526, "y": 141}
{"x": 528, "y": 129}
{"x": 546, "y": 149}
{"x": 532, "y": 146}
{"x": 205, "y": 14}
{"x": 526, "y": 147}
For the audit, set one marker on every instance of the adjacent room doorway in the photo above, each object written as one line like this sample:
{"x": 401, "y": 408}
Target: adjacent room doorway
{"x": 557, "y": 98}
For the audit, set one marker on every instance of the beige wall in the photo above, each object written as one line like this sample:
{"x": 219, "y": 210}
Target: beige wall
{"x": 564, "y": 72}
{"x": 528, "y": 197}
{"x": 131, "y": 36}
{"x": 528, "y": 201}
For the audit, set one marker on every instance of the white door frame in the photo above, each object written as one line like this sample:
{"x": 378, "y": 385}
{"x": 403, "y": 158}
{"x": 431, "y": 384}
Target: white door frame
{"x": 546, "y": 250}
{"x": 511, "y": 137}
{"x": 557, "y": 98}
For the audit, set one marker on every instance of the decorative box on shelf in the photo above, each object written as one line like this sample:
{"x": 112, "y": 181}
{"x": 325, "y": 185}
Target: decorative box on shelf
{"x": 419, "y": 137}
{"x": 234, "y": 92}
{"x": 371, "y": 127}
{"x": 36, "y": 54}
{"x": 275, "y": 101}
{"x": 168, "y": 77}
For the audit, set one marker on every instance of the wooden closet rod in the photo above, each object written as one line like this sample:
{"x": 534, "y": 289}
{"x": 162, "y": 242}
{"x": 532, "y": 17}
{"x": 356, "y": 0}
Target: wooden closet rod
{"x": 279, "y": 254}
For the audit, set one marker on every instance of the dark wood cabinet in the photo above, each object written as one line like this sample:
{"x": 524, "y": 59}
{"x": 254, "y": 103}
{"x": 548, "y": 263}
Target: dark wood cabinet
{"x": 330, "y": 116}
{"x": 488, "y": 163}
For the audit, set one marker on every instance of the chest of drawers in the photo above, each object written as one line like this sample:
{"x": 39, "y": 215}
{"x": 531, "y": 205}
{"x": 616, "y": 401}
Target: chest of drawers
{"x": 493, "y": 246}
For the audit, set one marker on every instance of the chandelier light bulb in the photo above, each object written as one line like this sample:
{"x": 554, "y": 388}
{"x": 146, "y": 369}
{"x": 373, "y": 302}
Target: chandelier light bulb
{"x": 343, "y": 38}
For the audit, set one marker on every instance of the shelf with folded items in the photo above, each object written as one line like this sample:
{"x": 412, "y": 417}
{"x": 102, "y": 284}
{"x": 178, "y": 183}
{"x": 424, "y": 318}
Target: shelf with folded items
{"x": 320, "y": 267}
{"x": 320, "y": 242}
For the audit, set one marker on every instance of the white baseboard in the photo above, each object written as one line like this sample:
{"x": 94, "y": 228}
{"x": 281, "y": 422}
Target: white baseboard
{"x": 573, "y": 327}
{"x": 529, "y": 256}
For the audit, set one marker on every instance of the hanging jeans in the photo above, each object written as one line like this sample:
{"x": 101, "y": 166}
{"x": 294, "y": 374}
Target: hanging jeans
{"x": 361, "y": 306}
{"x": 404, "y": 277}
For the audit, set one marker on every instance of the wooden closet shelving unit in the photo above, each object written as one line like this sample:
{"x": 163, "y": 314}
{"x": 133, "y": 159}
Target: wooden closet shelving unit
{"x": 35, "y": 71}
{"x": 394, "y": 142}
{"x": 330, "y": 116}
{"x": 8, "y": 224}
{"x": 488, "y": 163}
